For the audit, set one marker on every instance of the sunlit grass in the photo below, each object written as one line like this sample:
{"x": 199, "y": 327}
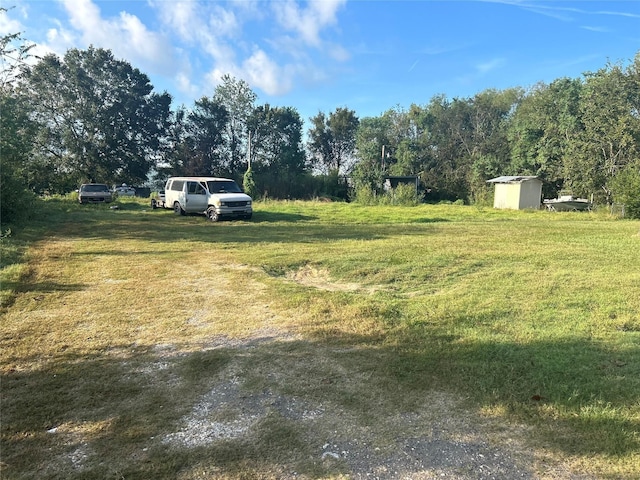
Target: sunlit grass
{"x": 531, "y": 317}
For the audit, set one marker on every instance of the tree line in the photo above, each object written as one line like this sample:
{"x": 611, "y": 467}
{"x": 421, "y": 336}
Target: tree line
{"x": 577, "y": 135}
{"x": 91, "y": 117}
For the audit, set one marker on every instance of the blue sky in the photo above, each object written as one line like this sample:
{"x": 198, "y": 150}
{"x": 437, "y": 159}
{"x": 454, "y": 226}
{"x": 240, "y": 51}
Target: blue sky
{"x": 319, "y": 55}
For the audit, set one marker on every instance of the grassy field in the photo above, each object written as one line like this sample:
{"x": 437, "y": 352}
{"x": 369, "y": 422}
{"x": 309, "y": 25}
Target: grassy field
{"x": 115, "y": 322}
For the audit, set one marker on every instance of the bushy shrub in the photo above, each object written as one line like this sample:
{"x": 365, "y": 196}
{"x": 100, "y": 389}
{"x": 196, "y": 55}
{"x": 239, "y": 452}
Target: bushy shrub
{"x": 626, "y": 190}
{"x": 249, "y": 184}
{"x": 404, "y": 195}
{"x": 365, "y": 195}
{"x": 401, "y": 195}
{"x": 16, "y": 203}
{"x": 16, "y": 137}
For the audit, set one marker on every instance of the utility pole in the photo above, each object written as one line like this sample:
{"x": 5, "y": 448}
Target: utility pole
{"x": 249, "y": 152}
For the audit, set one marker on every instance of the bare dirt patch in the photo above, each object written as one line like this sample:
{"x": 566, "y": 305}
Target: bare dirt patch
{"x": 319, "y": 278}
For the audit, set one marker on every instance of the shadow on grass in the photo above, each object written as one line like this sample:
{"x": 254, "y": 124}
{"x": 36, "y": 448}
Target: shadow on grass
{"x": 431, "y": 220}
{"x": 169, "y": 229}
{"x": 26, "y": 286}
{"x": 257, "y": 217}
{"x": 79, "y": 407}
{"x": 264, "y": 217}
{"x": 105, "y": 415}
{"x": 108, "y": 416}
{"x": 579, "y": 396}
{"x": 133, "y": 220}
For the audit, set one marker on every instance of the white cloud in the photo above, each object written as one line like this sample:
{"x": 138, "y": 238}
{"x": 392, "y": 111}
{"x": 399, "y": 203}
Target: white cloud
{"x": 618, "y": 14}
{"x": 9, "y": 26}
{"x": 196, "y": 22}
{"x": 480, "y": 70}
{"x": 84, "y": 16}
{"x": 198, "y": 41}
{"x": 338, "y": 52}
{"x": 59, "y": 36}
{"x": 266, "y": 74}
{"x": 186, "y": 86}
{"x": 596, "y": 29}
{"x": 58, "y": 41}
{"x": 126, "y": 36}
{"x": 216, "y": 35}
{"x": 486, "y": 67}
{"x": 203, "y": 28}
{"x": 307, "y": 22}
{"x": 224, "y": 22}
{"x": 559, "y": 11}
{"x": 179, "y": 16}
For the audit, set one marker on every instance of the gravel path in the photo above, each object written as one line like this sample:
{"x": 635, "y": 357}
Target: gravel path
{"x": 439, "y": 441}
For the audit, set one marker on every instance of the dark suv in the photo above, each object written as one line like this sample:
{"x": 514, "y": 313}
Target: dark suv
{"x": 94, "y": 193}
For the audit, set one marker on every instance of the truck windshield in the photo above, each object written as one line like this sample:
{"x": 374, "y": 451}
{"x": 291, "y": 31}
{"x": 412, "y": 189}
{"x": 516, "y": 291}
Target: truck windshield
{"x": 223, "y": 186}
{"x": 95, "y": 188}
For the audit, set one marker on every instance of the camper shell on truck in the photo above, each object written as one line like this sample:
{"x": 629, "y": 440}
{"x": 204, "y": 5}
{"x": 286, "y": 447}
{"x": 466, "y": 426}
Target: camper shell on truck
{"x": 214, "y": 197}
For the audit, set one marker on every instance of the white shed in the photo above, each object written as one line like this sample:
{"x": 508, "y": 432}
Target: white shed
{"x": 517, "y": 192}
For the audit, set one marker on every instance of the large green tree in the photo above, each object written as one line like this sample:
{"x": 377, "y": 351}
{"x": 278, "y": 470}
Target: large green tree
{"x": 543, "y": 132}
{"x": 609, "y": 140}
{"x": 446, "y": 162}
{"x": 372, "y": 146}
{"x": 16, "y": 130}
{"x": 205, "y": 143}
{"x": 625, "y": 187}
{"x": 332, "y": 140}
{"x": 175, "y": 149}
{"x": 276, "y": 140}
{"x": 277, "y": 156}
{"x": 453, "y": 145}
{"x": 99, "y": 120}
{"x": 239, "y": 100}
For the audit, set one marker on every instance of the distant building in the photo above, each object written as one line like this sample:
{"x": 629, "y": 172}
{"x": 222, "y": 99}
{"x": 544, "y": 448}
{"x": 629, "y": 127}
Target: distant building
{"x": 392, "y": 181}
{"x": 517, "y": 192}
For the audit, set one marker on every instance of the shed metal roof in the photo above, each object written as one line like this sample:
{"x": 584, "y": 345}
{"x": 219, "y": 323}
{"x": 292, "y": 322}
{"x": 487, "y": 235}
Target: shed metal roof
{"x": 513, "y": 179}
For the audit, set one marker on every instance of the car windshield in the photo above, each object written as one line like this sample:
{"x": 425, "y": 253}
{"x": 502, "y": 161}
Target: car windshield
{"x": 95, "y": 188}
{"x": 223, "y": 186}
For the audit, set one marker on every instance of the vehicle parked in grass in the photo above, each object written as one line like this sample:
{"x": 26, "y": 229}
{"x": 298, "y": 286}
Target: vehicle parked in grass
{"x": 214, "y": 197}
{"x": 125, "y": 191}
{"x": 567, "y": 203}
{"x": 94, "y": 193}
{"x": 158, "y": 201}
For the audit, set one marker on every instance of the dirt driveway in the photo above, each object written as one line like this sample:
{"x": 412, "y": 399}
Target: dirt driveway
{"x": 279, "y": 406}
{"x": 440, "y": 439}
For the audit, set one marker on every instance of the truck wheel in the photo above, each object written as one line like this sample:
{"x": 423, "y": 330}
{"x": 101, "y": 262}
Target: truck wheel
{"x": 212, "y": 214}
{"x": 177, "y": 209}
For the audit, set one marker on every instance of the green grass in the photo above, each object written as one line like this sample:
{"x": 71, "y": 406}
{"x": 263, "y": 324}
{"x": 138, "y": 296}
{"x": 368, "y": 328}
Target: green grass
{"x": 530, "y": 317}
